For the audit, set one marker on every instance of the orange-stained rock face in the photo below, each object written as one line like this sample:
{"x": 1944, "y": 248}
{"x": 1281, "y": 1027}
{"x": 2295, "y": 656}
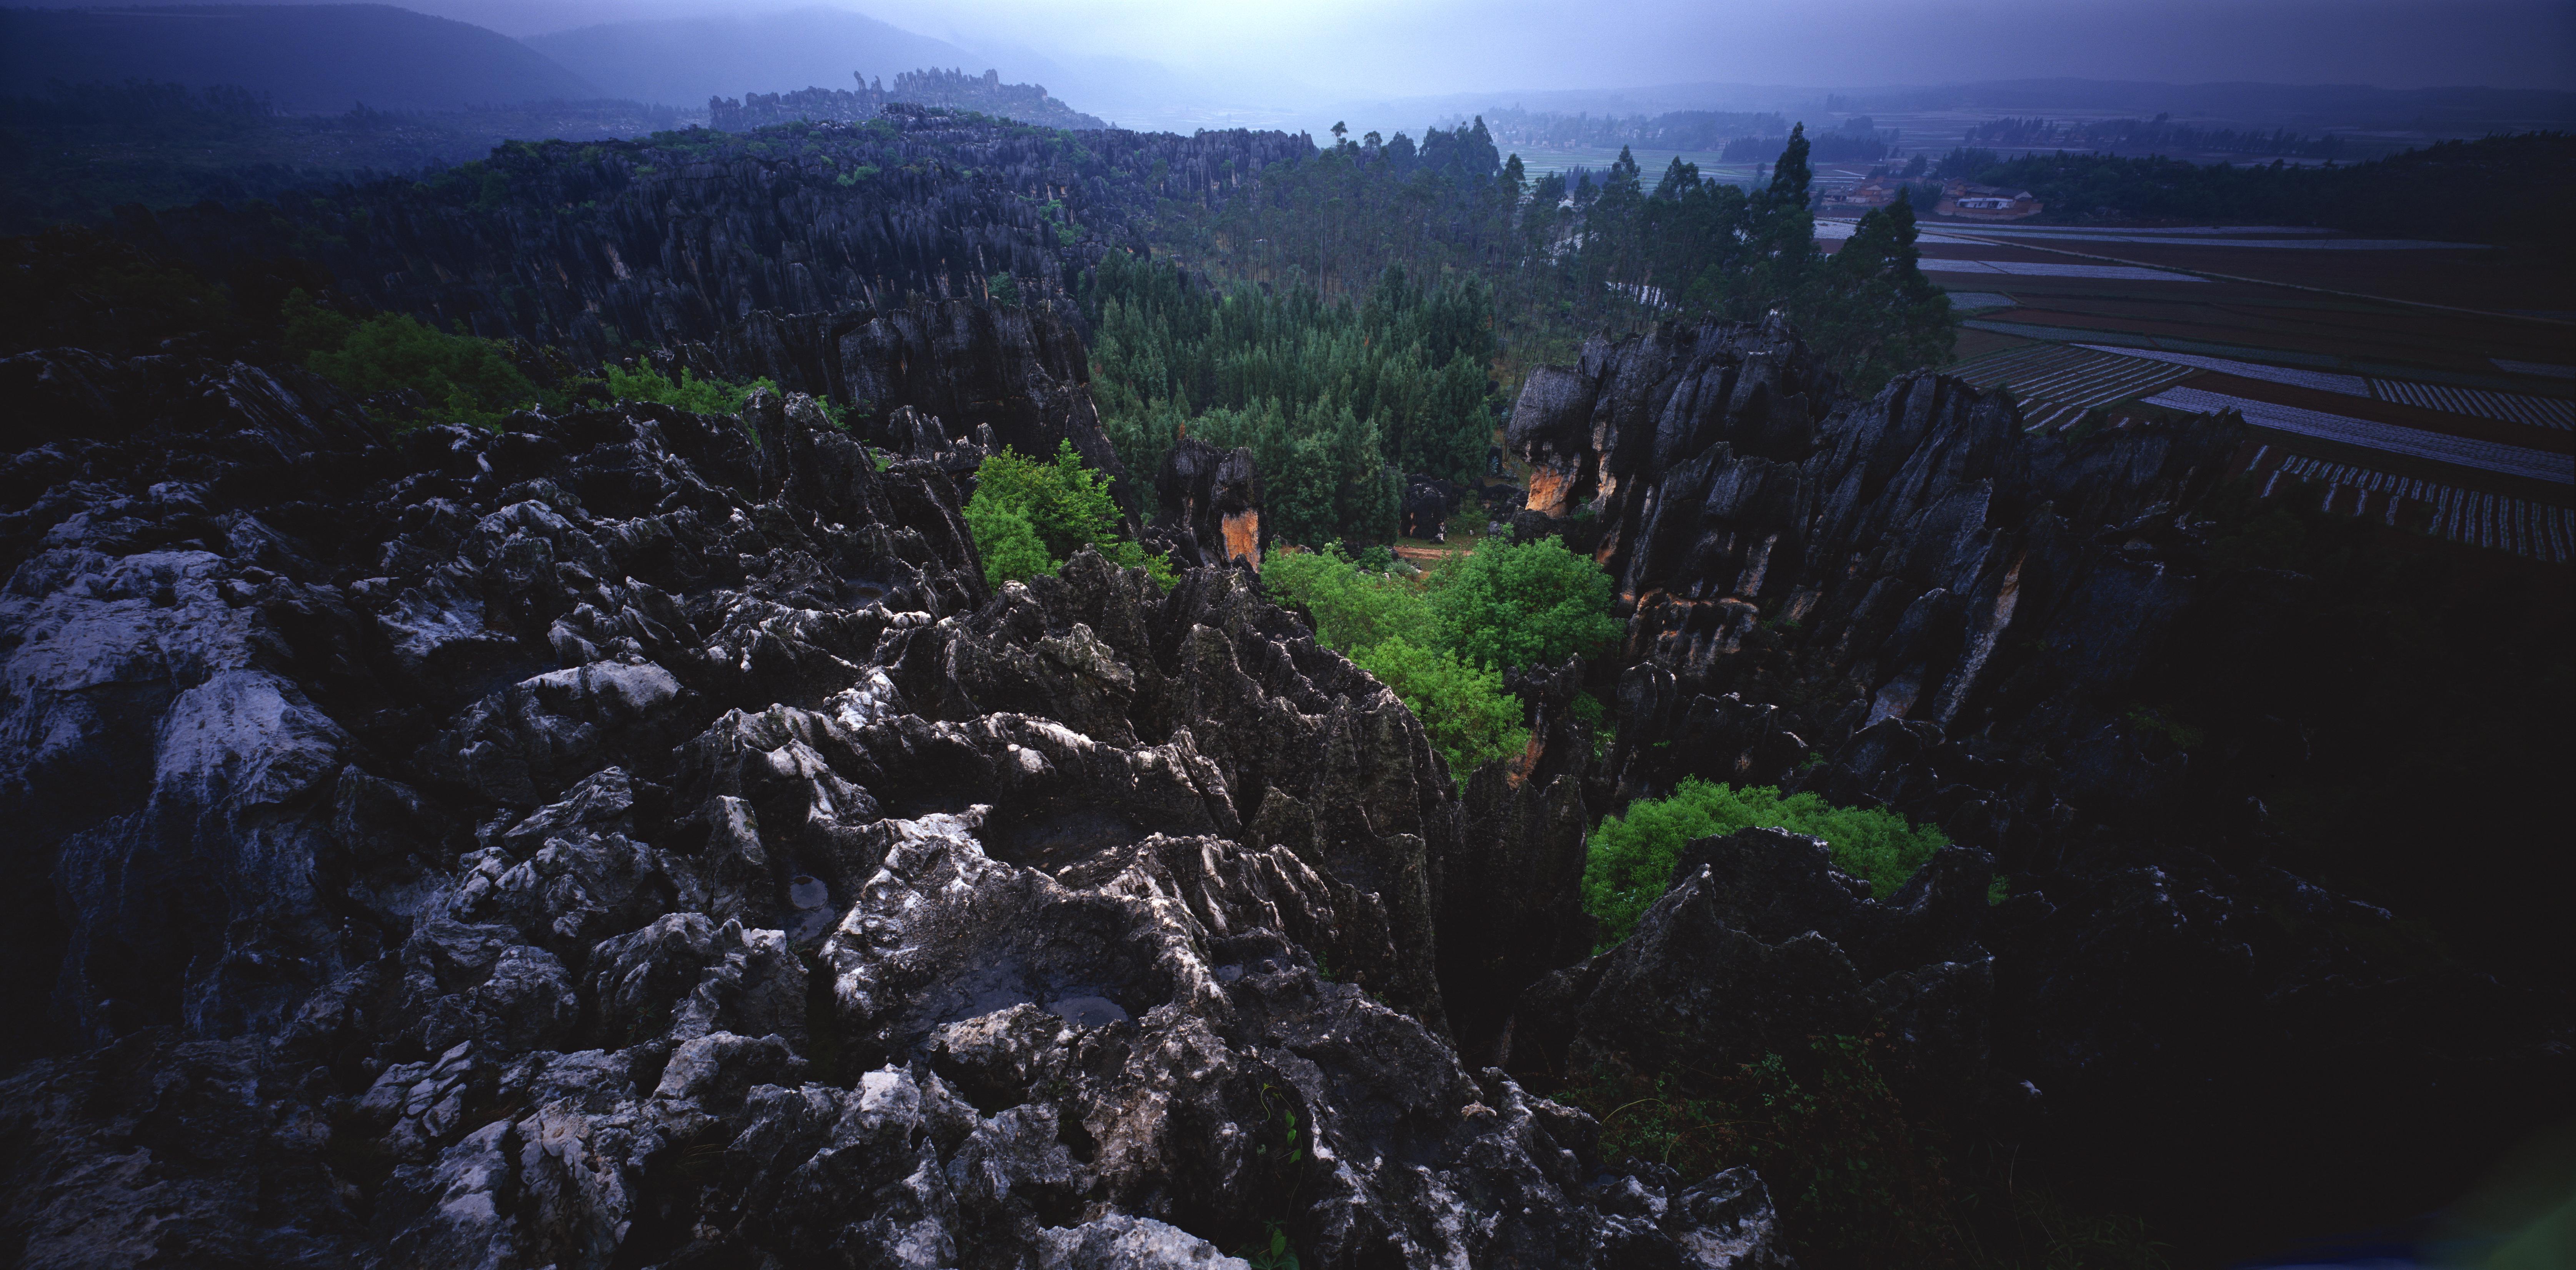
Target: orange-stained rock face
{"x": 1243, "y": 538}
{"x": 1550, "y": 489}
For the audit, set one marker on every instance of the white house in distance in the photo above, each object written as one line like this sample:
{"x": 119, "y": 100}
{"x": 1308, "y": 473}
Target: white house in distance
{"x": 1987, "y": 202}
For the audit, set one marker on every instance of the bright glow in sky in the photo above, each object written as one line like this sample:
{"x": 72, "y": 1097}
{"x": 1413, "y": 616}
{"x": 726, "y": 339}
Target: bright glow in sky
{"x": 1314, "y": 52}
{"x": 1408, "y": 47}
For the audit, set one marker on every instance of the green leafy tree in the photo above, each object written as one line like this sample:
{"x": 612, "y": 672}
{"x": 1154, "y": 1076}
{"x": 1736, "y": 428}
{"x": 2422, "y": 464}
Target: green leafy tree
{"x": 1351, "y": 607}
{"x": 464, "y": 379}
{"x": 1027, "y": 517}
{"x": 1009, "y": 547}
{"x": 688, "y": 392}
{"x": 1470, "y": 717}
{"x": 1536, "y": 604}
{"x": 1632, "y": 855}
{"x": 1386, "y": 628}
{"x": 1870, "y": 309}
{"x": 1067, "y": 504}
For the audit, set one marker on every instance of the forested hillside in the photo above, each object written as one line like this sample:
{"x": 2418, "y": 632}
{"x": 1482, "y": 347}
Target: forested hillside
{"x": 1334, "y": 398}
{"x": 1352, "y": 313}
{"x": 983, "y": 94}
{"x": 1628, "y": 249}
{"x": 2509, "y": 190}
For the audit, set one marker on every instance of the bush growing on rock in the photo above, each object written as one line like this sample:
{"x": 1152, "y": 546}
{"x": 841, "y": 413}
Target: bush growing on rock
{"x": 1632, "y": 855}
{"x": 1471, "y": 717}
{"x": 1536, "y": 604}
{"x": 1029, "y": 516}
{"x": 688, "y": 392}
{"x": 1352, "y": 608}
{"x": 1066, "y": 503}
{"x": 1387, "y": 628}
{"x": 1010, "y": 549}
{"x": 464, "y": 379}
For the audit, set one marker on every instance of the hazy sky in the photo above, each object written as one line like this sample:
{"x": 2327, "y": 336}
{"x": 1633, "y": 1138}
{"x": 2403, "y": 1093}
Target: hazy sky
{"x": 1376, "y": 46}
{"x": 1255, "y": 49}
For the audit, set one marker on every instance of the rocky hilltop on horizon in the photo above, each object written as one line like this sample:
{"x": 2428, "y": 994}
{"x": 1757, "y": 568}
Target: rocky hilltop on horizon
{"x": 953, "y": 89}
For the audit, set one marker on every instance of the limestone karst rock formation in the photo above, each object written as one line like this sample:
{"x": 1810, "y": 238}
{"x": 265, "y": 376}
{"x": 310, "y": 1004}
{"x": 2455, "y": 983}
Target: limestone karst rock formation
{"x": 640, "y": 838}
{"x": 1909, "y": 602}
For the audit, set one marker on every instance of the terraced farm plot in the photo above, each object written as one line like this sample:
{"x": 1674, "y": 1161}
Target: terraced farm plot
{"x": 2053, "y": 269}
{"x": 2539, "y": 412}
{"x": 2459, "y": 415}
{"x": 2523, "y": 526}
{"x": 2326, "y": 381}
{"x": 2491, "y": 456}
{"x": 2546, "y": 370}
{"x": 2058, "y": 383}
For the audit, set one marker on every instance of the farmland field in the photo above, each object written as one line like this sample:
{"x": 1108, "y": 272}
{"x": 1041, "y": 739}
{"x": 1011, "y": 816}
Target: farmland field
{"x": 2420, "y": 383}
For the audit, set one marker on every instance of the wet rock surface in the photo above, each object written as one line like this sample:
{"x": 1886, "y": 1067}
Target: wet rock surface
{"x": 638, "y": 838}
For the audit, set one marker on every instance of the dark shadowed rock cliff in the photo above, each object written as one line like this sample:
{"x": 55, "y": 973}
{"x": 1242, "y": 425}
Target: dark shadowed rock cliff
{"x": 1909, "y": 602}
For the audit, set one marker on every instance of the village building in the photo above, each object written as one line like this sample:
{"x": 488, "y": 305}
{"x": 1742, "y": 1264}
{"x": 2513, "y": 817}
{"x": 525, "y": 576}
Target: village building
{"x": 1877, "y": 191}
{"x": 1986, "y": 202}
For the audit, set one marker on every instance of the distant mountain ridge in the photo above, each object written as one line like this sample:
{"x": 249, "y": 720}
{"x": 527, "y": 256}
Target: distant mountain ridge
{"x": 2466, "y": 111}
{"x": 684, "y": 61}
{"x": 304, "y": 58}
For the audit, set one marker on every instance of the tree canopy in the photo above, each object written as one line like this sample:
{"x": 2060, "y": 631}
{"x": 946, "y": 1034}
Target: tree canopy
{"x": 1632, "y": 855}
{"x": 1563, "y": 260}
{"x": 1510, "y": 607}
{"x": 1029, "y": 516}
{"x": 1335, "y": 399}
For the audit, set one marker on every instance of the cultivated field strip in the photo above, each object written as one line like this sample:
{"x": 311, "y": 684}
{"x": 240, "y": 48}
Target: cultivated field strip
{"x": 2539, "y": 412}
{"x": 2297, "y": 244}
{"x": 2349, "y": 385}
{"x": 2049, "y": 416}
{"x": 2059, "y": 375}
{"x": 2037, "y": 269}
{"x": 2490, "y": 456}
{"x": 2187, "y": 232}
{"x": 2544, "y": 369}
{"x": 2541, "y": 531}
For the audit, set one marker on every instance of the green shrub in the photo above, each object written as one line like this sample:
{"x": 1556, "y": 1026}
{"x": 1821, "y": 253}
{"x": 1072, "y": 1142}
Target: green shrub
{"x": 1470, "y": 717}
{"x": 1532, "y": 605}
{"x": 1028, "y": 517}
{"x": 1632, "y": 856}
{"x": 1010, "y": 549}
{"x": 1384, "y": 625}
{"x": 688, "y": 392}
{"x": 1351, "y": 607}
{"x": 465, "y": 379}
{"x": 1066, "y": 503}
